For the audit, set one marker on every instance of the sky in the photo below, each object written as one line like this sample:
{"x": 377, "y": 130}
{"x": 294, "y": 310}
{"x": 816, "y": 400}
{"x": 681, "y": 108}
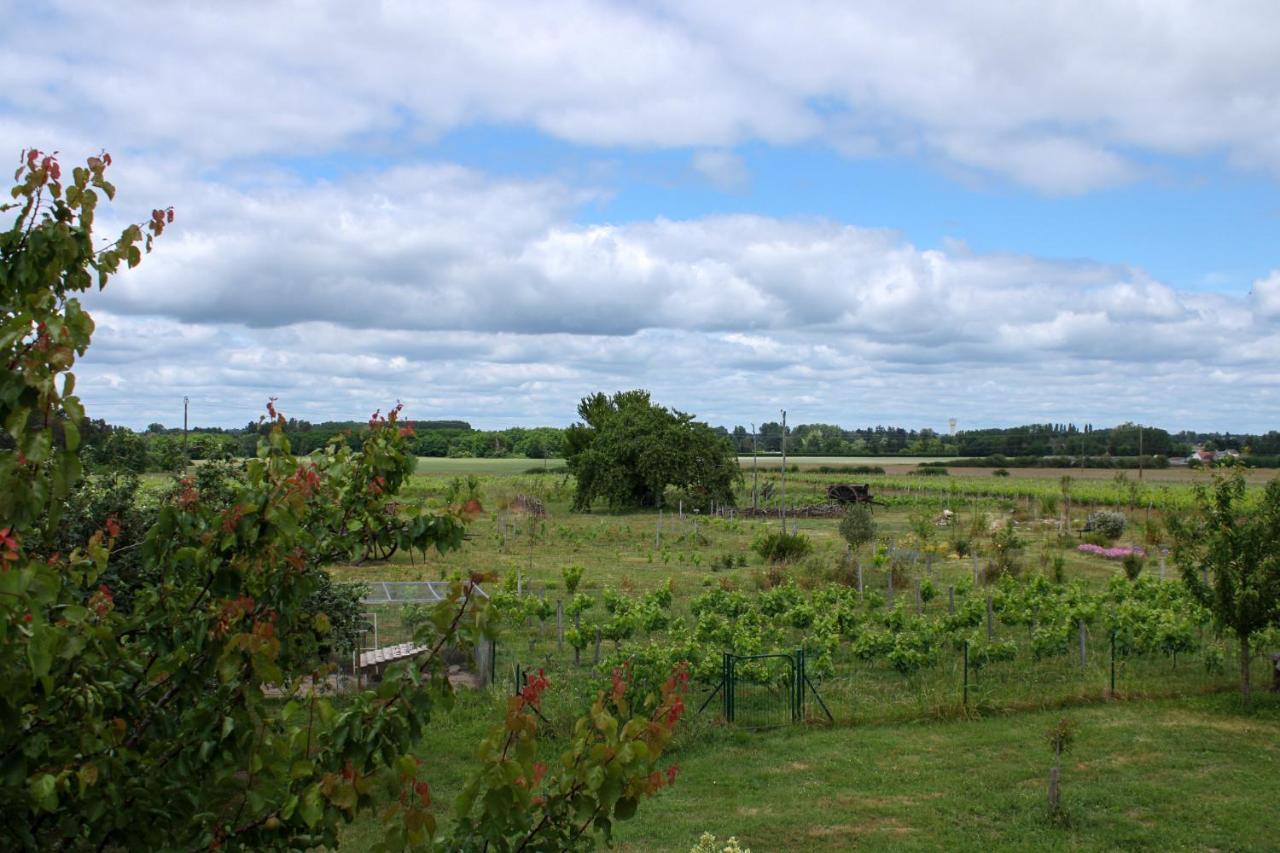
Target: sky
{"x": 862, "y": 213}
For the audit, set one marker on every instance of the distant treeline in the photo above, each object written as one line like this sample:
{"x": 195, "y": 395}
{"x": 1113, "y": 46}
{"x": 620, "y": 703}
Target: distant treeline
{"x": 1032, "y": 441}
{"x": 1034, "y": 445}
{"x": 161, "y": 448}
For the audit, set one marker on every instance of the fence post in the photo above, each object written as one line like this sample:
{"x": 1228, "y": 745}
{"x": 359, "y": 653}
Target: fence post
{"x": 560, "y": 625}
{"x": 800, "y": 676}
{"x": 596, "y": 659}
{"x": 890, "y": 587}
{"x": 577, "y": 652}
{"x": 727, "y": 679}
{"x": 991, "y": 627}
{"x": 1083, "y": 648}
{"x": 1112, "y": 694}
{"x": 951, "y": 600}
{"x": 975, "y": 569}
{"x": 858, "y": 562}
{"x": 919, "y": 598}
{"x": 966, "y": 673}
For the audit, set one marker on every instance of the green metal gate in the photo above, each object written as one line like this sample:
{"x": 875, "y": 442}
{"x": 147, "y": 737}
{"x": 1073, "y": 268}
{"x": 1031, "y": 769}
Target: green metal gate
{"x": 757, "y": 691}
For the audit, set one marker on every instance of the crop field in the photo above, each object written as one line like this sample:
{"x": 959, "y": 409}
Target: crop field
{"x": 1059, "y": 631}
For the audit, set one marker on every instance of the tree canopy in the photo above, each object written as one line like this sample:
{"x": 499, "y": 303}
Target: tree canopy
{"x": 1229, "y": 554}
{"x": 142, "y": 721}
{"x": 629, "y": 450}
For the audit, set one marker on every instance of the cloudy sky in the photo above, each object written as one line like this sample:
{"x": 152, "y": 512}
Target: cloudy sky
{"x": 865, "y": 213}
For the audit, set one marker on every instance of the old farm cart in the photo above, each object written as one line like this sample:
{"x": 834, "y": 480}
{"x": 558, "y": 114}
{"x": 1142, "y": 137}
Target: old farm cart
{"x": 758, "y": 691}
{"x": 387, "y": 639}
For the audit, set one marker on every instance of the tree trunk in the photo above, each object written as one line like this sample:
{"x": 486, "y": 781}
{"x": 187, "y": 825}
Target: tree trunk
{"x": 1245, "y": 687}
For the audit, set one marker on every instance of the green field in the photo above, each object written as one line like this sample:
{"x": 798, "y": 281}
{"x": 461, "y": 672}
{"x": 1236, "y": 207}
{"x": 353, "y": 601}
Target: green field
{"x": 1189, "y": 775}
{"x": 907, "y": 764}
{"x": 462, "y": 467}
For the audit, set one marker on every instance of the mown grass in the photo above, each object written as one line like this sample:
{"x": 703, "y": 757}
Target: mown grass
{"x": 1190, "y": 774}
{"x": 1186, "y": 775}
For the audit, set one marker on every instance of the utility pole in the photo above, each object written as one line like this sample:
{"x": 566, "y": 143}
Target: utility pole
{"x": 784, "y": 470}
{"x": 1139, "y": 451}
{"x": 755, "y": 473}
{"x": 186, "y": 456}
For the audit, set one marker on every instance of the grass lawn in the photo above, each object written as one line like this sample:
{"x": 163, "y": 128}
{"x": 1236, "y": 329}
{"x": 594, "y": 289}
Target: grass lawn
{"x": 1189, "y": 774}
{"x": 1192, "y": 774}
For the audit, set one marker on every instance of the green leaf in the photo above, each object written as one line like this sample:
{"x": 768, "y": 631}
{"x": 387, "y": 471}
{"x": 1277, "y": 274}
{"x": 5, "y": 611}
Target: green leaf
{"x": 625, "y": 808}
{"x": 312, "y": 806}
{"x": 44, "y": 790}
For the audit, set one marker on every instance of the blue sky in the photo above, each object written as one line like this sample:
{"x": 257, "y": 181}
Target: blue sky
{"x": 1194, "y": 223}
{"x": 865, "y": 213}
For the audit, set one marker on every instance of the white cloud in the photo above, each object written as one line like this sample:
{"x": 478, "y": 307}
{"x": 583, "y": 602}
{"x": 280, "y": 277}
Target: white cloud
{"x": 723, "y": 168}
{"x": 1266, "y": 295}
{"x": 476, "y": 297}
{"x": 1042, "y": 94}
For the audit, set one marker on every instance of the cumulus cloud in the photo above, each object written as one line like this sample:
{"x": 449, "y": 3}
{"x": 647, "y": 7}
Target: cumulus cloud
{"x": 1039, "y": 94}
{"x": 1265, "y": 295}
{"x": 479, "y": 297}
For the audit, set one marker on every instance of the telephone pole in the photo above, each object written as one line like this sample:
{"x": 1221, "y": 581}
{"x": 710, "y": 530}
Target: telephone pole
{"x": 186, "y": 457}
{"x": 1139, "y": 451}
{"x": 784, "y": 471}
{"x": 755, "y": 473}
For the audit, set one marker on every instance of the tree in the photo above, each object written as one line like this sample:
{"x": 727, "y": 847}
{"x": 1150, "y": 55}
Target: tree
{"x": 629, "y": 450}
{"x": 147, "y": 726}
{"x": 1229, "y": 554}
{"x": 858, "y": 526}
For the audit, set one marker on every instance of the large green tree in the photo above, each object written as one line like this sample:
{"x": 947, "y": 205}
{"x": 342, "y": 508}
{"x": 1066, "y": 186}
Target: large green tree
{"x": 147, "y": 727}
{"x": 1229, "y": 554}
{"x": 628, "y": 451}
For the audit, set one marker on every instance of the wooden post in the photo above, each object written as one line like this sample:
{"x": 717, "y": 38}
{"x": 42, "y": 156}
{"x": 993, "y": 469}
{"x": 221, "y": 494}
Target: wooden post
{"x": 577, "y": 652}
{"x": 891, "y": 588}
{"x": 596, "y": 659}
{"x": 991, "y": 620}
{"x": 975, "y": 569}
{"x": 919, "y": 598}
{"x": 1083, "y": 648}
{"x": 858, "y": 563}
{"x": 560, "y": 625}
{"x": 951, "y": 600}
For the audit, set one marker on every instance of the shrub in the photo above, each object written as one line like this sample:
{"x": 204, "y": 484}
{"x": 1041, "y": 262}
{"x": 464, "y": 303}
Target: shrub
{"x": 930, "y": 471}
{"x": 1107, "y": 523}
{"x": 858, "y": 527}
{"x": 1000, "y": 472}
{"x": 782, "y": 547}
{"x": 1133, "y": 564}
{"x": 572, "y": 576}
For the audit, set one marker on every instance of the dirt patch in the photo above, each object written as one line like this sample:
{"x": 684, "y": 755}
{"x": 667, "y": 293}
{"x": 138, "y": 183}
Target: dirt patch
{"x": 869, "y": 826}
